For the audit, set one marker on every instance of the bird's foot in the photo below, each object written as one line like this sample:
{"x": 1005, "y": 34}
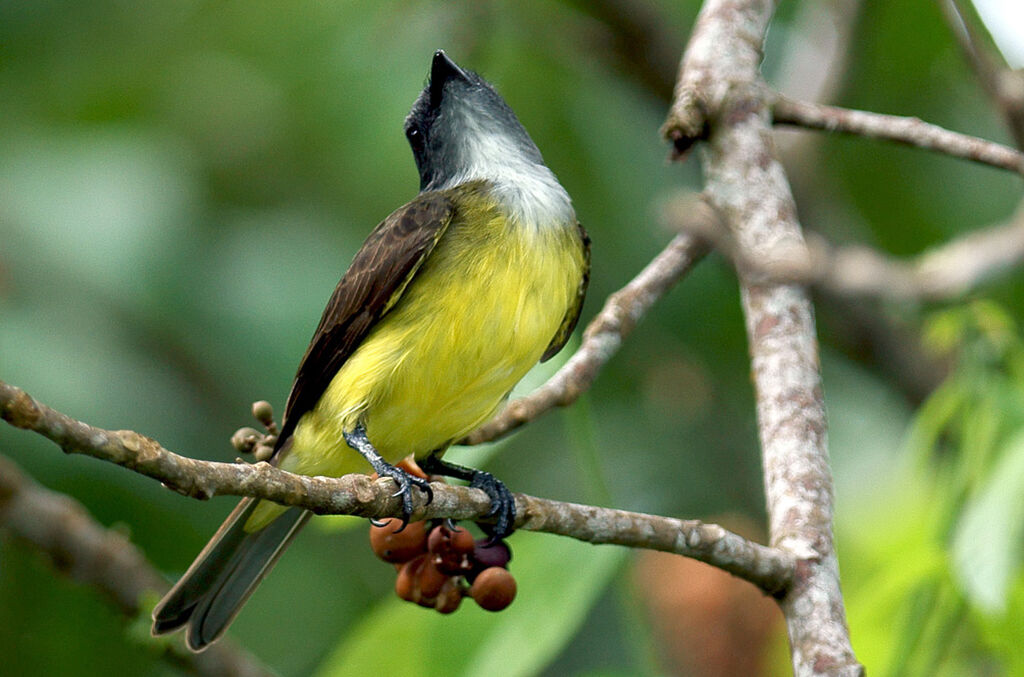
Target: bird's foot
{"x": 358, "y": 440}
{"x": 503, "y": 505}
{"x": 405, "y": 483}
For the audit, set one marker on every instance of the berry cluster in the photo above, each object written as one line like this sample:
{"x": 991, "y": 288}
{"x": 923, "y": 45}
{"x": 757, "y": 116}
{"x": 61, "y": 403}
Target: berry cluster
{"x": 436, "y": 569}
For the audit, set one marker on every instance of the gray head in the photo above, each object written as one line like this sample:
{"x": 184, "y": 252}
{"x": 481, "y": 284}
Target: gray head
{"x": 460, "y": 129}
{"x": 456, "y": 119}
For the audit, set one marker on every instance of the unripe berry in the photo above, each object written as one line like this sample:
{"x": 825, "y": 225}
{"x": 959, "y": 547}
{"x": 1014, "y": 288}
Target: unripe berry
{"x": 263, "y": 412}
{"x": 244, "y": 440}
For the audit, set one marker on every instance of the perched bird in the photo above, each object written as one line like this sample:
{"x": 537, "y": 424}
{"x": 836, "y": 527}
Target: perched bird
{"x": 448, "y": 303}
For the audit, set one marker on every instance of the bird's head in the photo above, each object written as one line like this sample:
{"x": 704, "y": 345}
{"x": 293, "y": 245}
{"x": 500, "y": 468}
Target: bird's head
{"x": 461, "y": 129}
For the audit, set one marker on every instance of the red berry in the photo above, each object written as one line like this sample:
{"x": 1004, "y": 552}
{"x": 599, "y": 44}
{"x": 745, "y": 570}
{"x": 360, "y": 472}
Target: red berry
{"x": 450, "y": 597}
{"x": 462, "y": 541}
{"x": 494, "y": 589}
{"x": 430, "y": 579}
{"x": 391, "y": 543}
{"x": 438, "y": 539}
{"x": 449, "y": 549}
{"x": 407, "y": 583}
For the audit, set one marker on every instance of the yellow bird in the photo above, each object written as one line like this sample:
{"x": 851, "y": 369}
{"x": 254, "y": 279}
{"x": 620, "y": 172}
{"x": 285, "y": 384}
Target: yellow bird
{"x": 449, "y": 302}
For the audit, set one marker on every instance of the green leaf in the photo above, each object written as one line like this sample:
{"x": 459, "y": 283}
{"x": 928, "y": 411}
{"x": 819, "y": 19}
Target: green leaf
{"x": 1002, "y": 633}
{"x": 559, "y": 580}
{"x": 987, "y": 543}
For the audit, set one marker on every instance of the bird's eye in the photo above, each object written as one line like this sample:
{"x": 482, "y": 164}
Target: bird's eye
{"x": 415, "y": 136}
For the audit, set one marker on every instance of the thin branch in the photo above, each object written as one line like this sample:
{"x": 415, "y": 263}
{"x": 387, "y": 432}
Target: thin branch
{"x": 949, "y": 271}
{"x": 768, "y": 568}
{"x": 607, "y": 331}
{"x": 904, "y": 130}
{"x": 721, "y": 97}
{"x": 105, "y": 560}
{"x": 1003, "y": 85}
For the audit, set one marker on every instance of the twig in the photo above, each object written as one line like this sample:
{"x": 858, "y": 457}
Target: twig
{"x": 909, "y": 131}
{"x": 949, "y": 271}
{"x": 815, "y": 58}
{"x": 607, "y": 331}
{"x": 720, "y": 96}
{"x": 1004, "y": 85}
{"x": 104, "y": 559}
{"x": 768, "y": 568}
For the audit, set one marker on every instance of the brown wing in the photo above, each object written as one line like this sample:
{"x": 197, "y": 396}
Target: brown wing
{"x": 572, "y": 315}
{"x": 379, "y": 273}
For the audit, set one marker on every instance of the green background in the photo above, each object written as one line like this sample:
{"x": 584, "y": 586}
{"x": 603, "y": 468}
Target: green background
{"x": 182, "y": 183}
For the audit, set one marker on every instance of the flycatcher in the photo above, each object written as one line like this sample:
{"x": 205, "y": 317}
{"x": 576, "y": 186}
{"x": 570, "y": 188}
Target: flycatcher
{"x": 449, "y": 302}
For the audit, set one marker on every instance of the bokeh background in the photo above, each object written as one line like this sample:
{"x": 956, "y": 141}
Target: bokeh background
{"x": 182, "y": 183}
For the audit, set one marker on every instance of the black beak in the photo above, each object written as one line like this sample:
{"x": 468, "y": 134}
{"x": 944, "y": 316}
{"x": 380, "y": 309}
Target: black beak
{"x": 442, "y": 69}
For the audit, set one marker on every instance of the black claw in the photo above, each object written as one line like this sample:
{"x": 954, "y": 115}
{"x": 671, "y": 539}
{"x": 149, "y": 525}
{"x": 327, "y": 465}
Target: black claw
{"x": 503, "y": 505}
{"x": 379, "y": 523}
{"x": 358, "y": 440}
{"x": 451, "y": 524}
{"x": 405, "y": 483}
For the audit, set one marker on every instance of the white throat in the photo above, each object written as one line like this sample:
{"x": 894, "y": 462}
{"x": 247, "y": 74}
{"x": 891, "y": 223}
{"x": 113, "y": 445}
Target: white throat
{"x": 528, "y": 189}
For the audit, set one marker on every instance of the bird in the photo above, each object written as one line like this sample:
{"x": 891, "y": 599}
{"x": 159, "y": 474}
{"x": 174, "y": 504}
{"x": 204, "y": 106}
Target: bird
{"x": 448, "y": 303}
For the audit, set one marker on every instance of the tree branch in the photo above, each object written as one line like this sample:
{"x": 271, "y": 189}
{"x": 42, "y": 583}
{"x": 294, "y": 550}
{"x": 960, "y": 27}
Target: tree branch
{"x": 720, "y": 96}
{"x": 904, "y": 130}
{"x": 1003, "y": 85}
{"x": 104, "y": 559}
{"x": 768, "y": 568}
{"x": 605, "y": 334}
{"x": 949, "y": 271}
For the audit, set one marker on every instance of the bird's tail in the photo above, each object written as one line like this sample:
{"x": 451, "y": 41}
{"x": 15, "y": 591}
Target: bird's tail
{"x": 224, "y": 574}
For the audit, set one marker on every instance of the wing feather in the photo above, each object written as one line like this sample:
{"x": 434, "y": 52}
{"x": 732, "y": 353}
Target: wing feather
{"x": 572, "y": 315}
{"x": 380, "y": 272}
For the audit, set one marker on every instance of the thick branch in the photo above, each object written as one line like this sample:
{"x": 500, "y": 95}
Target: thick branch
{"x": 768, "y": 568}
{"x": 909, "y": 131}
{"x": 720, "y": 96}
{"x": 103, "y": 559}
{"x": 605, "y": 333}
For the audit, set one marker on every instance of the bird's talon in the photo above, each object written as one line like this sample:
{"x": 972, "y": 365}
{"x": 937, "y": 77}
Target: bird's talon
{"x": 503, "y": 505}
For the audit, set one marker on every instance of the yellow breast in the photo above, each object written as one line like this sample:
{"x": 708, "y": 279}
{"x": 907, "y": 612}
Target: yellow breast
{"x": 477, "y": 316}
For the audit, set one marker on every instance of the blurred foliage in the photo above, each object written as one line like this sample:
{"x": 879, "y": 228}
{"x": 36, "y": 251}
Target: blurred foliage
{"x": 938, "y": 587}
{"x": 182, "y": 183}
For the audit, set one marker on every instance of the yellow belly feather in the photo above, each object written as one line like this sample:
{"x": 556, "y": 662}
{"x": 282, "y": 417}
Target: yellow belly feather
{"x": 477, "y": 316}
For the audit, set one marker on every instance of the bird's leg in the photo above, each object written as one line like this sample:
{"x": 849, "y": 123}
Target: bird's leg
{"x": 503, "y": 505}
{"x": 358, "y": 440}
